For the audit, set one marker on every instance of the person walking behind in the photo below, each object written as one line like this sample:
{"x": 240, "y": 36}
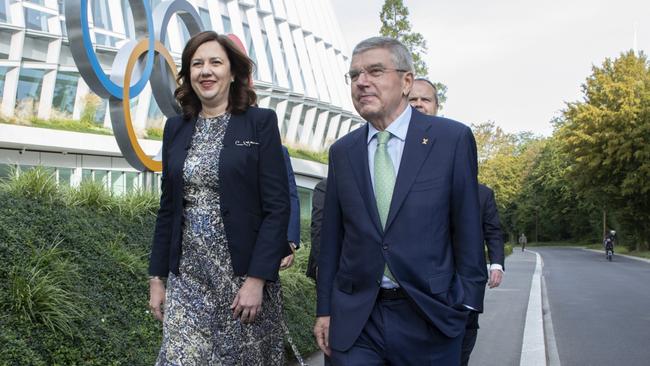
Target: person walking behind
{"x": 523, "y": 241}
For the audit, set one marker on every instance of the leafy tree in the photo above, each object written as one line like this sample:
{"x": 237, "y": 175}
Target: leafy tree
{"x": 395, "y": 23}
{"x": 605, "y": 139}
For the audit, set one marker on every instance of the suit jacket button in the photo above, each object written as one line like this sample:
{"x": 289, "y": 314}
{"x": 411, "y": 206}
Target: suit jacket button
{"x": 385, "y": 246}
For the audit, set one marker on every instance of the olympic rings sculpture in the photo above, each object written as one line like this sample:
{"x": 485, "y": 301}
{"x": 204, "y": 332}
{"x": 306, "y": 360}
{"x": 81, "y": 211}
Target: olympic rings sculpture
{"x": 146, "y": 58}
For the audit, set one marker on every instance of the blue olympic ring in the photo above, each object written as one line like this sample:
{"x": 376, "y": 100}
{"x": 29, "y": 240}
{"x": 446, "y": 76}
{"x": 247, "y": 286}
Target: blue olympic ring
{"x": 114, "y": 89}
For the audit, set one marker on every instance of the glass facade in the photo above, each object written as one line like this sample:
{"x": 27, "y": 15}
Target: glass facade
{"x": 205, "y": 18}
{"x": 101, "y": 17}
{"x": 29, "y": 87}
{"x": 65, "y": 176}
{"x": 65, "y": 90}
{"x": 35, "y": 20}
{"x": 45, "y": 67}
{"x": 227, "y": 25}
{"x": 4, "y": 11}
{"x": 3, "y": 72}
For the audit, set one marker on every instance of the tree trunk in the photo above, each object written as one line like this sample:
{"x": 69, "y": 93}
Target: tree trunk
{"x": 604, "y": 223}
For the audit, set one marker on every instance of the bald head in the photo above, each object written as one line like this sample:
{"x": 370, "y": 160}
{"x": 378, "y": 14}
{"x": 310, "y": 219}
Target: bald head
{"x": 423, "y": 97}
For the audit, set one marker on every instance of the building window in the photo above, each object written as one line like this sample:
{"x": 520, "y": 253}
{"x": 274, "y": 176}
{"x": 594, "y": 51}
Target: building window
{"x": 248, "y": 43}
{"x": 101, "y": 176}
{"x": 65, "y": 176}
{"x": 64, "y": 29}
{"x": 227, "y": 25}
{"x": 205, "y": 18}
{"x": 35, "y": 20}
{"x": 65, "y": 91}
{"x": 132, "y": 183}
{"x": 4, "y": 13}
{"x": 269, "y": 57}
{"x": 129, "y": 27}
{"x": 5, "y": 44}
{"x": 101, "y": 17}
{"x": 29, "y": 90}
{"x": 3, "y": 72}
{"x": 6, "y": 171}
{"x": 117, "y": 182}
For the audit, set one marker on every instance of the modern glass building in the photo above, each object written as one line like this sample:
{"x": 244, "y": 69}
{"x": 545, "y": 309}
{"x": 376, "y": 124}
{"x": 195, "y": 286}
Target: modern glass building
{"x": 296, "y": 45}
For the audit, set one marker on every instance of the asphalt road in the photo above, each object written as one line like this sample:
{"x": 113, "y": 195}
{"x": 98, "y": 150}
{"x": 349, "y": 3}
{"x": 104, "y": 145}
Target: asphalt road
{"x": 600, "y": 310}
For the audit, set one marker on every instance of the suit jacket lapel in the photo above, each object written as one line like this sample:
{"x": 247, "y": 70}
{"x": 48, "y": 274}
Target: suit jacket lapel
{"x": 185, "y": 138}
{"x": 417, "y": 146}
{"x": 358, "y": 156}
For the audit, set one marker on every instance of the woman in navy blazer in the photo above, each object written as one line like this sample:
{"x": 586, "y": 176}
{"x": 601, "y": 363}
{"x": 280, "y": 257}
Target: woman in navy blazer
{"x": 253, "y": 213}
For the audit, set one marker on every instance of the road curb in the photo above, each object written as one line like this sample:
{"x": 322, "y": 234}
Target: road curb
{"x": 533, "y": 348}
{"x": 552, "y": 354}
{"x": 621, "y": 255}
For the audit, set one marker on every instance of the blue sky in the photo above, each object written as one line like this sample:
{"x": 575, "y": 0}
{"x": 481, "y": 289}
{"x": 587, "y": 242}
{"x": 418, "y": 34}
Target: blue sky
{"x": 514, "y": 62}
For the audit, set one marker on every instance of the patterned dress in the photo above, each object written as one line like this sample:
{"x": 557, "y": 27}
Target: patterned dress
{"x": 199, "y": 328}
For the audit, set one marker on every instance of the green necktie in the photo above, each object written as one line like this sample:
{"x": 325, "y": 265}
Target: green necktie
{"x": 384, "y": 182}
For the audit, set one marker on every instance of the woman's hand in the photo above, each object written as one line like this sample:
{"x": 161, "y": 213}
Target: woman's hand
{"x": 248, "y": 301}
{"x": 156, "y": 297}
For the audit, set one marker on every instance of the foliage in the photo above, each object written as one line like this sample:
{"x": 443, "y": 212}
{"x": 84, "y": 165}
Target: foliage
{"x": 606, "y": 142}
{"x": 154, "y": 133}
{"x": 37, "y": 183}
{"x": 41, "y": 288}
{"x": 65, "y": 124}
{"x": 74, "y": 287}
{"x": 395, "y": 23}
{"x": 91, "y": 106}
{"x": 317, "y": 156}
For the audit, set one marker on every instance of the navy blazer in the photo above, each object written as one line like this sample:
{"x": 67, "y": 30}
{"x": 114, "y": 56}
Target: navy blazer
{"x": 491, "y": 225}
{"x": 253, "y": 190}
{"x": 293, "y": 234}
{"x": 432, "y": 237}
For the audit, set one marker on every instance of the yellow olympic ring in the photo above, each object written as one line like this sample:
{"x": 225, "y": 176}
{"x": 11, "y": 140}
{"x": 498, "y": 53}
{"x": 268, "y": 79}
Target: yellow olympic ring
{"x": 141, "y": 48}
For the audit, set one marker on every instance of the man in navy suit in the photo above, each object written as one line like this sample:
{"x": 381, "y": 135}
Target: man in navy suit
{"x": 493, "y": 238}
{"x": 293, "y": 232}
{"x": 401, "y": 262}
{"x": 423, "y": 98}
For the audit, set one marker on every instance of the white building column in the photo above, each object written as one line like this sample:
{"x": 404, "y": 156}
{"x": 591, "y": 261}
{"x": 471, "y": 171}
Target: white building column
{"x": 332, "y": 130}
{"x": 80, "y": 95}
{"x": 345, "y": 128}
{"x": 307, "y": 126}
{"x": 47, "y": 93}
{"x": 317, "y": 140}
{"x": 292, "y": 130}
{"x": 9, "y": 92}
{"x": 264, "y": 71}
{"x": 281, "y": 111}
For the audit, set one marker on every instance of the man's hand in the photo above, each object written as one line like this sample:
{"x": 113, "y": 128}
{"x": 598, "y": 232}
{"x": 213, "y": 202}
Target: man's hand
{"x": 322, "y": 331}
{"x": 495, "y": 278}
{"x": 286, "y": 262}
{"x": 248, "y": 301}
{"x": 156, "y": 297}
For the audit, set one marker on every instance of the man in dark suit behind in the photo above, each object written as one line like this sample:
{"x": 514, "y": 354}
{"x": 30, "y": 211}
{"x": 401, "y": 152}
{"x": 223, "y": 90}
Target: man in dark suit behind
{"x": 493, "y": 239}
{"x": 401, "y": 261}
{"x": 317, "y": 205}
{"x": 293, "y": 230}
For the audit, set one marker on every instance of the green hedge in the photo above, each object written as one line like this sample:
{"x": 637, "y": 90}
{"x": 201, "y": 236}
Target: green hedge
{"x": 73, "y": 284}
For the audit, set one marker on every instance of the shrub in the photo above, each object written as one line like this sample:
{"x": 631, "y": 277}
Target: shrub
{"x": 40, "y": 288}
{"x": 37, "y": 183}
{"x": 74, "y": 285}
{"x": 90, "y": 194}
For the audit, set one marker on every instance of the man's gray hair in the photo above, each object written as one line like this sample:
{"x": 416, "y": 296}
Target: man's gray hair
{"x": 402, "y": 57}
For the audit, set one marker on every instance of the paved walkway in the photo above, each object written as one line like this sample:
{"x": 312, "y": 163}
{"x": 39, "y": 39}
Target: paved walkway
{"x": 502, "y": 323}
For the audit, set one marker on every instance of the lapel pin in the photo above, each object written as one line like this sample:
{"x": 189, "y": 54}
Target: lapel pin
{"x": 425, "y": 141}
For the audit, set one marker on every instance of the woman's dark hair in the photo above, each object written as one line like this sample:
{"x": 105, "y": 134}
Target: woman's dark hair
{"x": 241, "y": 94}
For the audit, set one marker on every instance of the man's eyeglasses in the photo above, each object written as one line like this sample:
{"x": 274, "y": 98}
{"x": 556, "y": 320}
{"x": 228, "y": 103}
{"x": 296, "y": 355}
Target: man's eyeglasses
{"x": 374, "y": 72}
